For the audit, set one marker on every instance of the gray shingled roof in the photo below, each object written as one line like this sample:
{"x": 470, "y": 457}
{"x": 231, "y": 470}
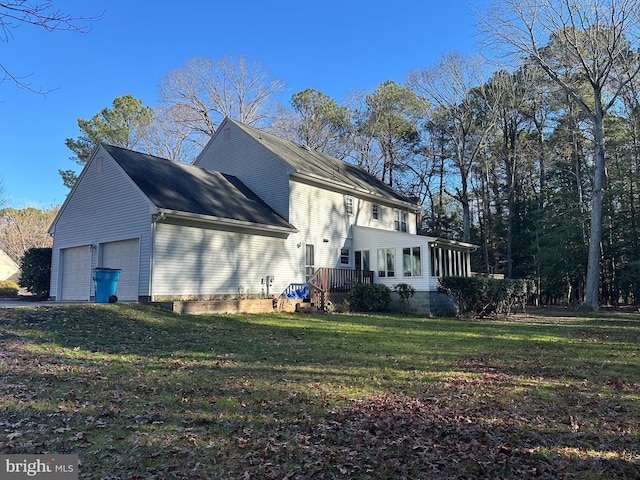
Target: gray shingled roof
{"x": 306, "y": 161}
{"x": 194, "y": 190}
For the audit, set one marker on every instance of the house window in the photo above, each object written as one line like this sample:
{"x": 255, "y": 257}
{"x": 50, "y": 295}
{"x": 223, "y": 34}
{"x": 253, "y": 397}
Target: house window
{"x": 226, "y": 134}
{"x": 411, "y": 262}
{"x": 400, "y": 220}
{"x": 386, "y": 262}
{"x": 309, "y": 262}
{"x": 362, "y": 260}
{"x": 344, "y": 256}
{"x": 348, "y": 204}
{"x": 375, "y": 211}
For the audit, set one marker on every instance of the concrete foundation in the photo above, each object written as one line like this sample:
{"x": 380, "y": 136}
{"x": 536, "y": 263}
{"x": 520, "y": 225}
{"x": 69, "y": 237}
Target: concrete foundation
{"x": 429, "y": 304}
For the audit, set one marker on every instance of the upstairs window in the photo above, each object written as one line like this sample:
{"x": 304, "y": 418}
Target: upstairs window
{"x": 348, "y": 204}
{"x": 375, "y": 211}
{"x": 400, "y": 220}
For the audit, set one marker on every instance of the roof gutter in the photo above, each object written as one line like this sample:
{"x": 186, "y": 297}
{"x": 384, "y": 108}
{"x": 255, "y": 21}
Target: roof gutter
{"x": 162, "y": 215}
{"x": 453, "y": 243}
{"x": 346, "y": 188}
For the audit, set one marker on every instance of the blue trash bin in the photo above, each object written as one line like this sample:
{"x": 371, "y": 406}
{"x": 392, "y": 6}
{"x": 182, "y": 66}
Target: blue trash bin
{"x": 106, "y": 280}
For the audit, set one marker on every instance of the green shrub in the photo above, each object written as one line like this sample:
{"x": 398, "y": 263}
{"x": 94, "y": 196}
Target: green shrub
{"x": 8, "y": 288}
{"x": 366, "y": 297}
{"x": 36, "y": 271}
{"x": 479, "y": 297}
{"x": 406, "y": 293}
{"x": 341, "y": 307}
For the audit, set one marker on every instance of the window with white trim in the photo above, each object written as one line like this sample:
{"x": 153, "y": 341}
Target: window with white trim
{"x": 400, "y": 220}
{"x": 386, "y": 262}
{"x": 375, "y": 211}
{"x": 411, "y": 262}
{"x": 345, "y": 256}
{"x": 348, "y": 204}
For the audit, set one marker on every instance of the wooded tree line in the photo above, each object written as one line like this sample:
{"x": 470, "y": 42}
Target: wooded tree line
{"x": 537, "y": 164}
{"x": 25, "y": 228}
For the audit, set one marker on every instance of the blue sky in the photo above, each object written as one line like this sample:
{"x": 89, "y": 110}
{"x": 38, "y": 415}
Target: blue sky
{"x": 333, "y": 46}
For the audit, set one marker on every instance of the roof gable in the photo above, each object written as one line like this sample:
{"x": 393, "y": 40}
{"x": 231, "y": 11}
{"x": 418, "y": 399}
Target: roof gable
{"x": 313, "y": 164}
{"x": 189, "y": 189}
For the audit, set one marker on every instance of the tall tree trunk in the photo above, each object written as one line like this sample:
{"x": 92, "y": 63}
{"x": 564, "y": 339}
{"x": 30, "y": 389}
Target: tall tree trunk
{"x": 511, "y": 137}
{"x": 466, "y": 210}
{"x": 595, "y": 237}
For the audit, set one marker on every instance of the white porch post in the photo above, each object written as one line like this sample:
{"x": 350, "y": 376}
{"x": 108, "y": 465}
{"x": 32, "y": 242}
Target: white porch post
{"x": 468, "y": 262}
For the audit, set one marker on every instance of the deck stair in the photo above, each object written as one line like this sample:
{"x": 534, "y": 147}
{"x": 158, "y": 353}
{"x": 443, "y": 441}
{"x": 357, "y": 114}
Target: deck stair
{"x": 327, "y": 285}
{"x": 296, "y": 291}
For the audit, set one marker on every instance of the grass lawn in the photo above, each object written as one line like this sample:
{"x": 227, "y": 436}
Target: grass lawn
{"x": 140, "y": 393}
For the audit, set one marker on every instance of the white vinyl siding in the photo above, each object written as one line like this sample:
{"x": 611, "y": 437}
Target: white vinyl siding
{"x": 104, "y": 206}
{"x": 365, "y": 238}
{"x": 212, "y": 262}
{"x": 319, "y": 216}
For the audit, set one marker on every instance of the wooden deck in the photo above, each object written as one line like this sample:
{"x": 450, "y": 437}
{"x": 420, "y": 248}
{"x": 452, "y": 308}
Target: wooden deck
{"x": 334, "y": 284}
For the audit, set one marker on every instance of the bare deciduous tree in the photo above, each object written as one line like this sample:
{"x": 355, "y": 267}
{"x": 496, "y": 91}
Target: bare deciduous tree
{"x": 209, "y": 91}
{"x": 40, "y": 14}
{"x": 22, "y": 229}
{"x": 594, "y": 43}
{"x": 169, "y": 136}
{"x": 454, "y": 88}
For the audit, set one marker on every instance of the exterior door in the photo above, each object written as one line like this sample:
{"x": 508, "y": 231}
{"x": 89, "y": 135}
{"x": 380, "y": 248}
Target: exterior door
{"x": 309, "y": 262}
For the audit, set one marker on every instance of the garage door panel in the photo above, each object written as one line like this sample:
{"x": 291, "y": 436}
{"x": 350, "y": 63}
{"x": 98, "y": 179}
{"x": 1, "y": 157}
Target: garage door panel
{"x": 76, "y": 273}
{"x": 124, "y": 255}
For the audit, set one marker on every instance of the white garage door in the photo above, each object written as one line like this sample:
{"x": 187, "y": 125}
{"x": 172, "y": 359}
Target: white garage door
{"x": 76, "y": 273}
{"x": 124, "y": 255}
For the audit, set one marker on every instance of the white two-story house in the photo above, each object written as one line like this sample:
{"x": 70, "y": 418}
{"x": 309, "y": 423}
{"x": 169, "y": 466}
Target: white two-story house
{"x": 253, "y": 215}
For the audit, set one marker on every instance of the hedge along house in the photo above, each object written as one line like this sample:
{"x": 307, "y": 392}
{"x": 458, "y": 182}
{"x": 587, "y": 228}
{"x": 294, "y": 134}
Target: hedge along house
{"x": 255, "y": 215}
